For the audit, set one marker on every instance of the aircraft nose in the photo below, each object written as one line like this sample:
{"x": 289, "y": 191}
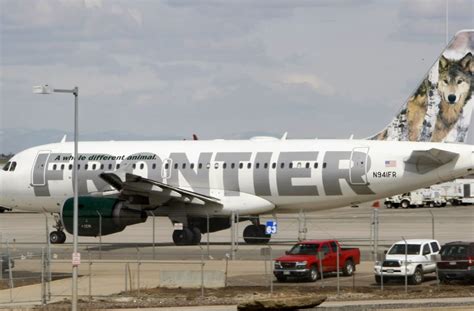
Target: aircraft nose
{"x": 452, "y": 98}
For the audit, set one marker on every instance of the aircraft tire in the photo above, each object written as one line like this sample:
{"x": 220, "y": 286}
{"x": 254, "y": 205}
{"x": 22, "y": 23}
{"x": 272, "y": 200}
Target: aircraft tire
{"x": 196, "y": 236}
{"x": 57, "y": 237}
{"x": 183, "y": 237}
{"x": 256, "y": 235}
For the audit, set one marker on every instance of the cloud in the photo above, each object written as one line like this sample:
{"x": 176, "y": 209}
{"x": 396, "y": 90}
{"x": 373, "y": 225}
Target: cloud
{"x": 311, "y": 81}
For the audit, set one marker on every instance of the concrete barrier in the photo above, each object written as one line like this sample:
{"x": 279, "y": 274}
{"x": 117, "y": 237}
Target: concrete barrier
{"x": 191, "y": 279}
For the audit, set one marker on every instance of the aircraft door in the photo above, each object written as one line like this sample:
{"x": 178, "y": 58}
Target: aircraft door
{"x": 166, "y": 168}
{"x": 38, "y": 174}
{"x": 358, "y": 166}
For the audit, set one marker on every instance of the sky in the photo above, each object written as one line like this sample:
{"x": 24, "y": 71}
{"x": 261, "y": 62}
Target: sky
{"x": 220, "y": 69}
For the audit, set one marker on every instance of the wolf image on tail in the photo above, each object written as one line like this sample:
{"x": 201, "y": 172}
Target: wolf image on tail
{"x": 439, "y": 110}
{"x": 455, "y": 89}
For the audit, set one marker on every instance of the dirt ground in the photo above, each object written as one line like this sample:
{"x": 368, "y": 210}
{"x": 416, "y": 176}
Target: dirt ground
{"x": 165, "y": 297}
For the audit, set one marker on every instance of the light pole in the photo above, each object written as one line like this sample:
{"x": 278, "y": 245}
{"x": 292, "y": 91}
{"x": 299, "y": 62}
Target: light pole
{"x": 76, "y": 258}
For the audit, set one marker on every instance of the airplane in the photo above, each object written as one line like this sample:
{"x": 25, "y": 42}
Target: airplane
{"x": 201, "y": 184}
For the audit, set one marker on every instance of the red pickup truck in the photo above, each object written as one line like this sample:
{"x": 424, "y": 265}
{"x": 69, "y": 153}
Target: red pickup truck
{"x": 302, "y": 261}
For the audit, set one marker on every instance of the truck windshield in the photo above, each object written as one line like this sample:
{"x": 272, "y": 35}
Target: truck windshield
{"x": 304, "y": 249}
{"x": 399, "y": 249}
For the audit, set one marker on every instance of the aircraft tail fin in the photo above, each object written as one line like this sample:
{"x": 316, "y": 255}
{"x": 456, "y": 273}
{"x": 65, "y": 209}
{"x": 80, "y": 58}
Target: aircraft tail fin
{"x": 439, "y": 110}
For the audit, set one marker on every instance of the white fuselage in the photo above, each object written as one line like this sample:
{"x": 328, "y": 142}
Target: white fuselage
{"x": 291, "y": 174}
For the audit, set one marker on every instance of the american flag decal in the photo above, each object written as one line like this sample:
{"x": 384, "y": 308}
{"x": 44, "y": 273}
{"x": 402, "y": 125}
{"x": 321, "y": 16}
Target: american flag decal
{"x": 391, "y": 163}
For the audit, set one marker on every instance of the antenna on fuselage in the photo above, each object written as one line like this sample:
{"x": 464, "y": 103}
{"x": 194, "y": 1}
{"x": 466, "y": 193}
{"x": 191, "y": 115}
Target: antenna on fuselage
{"x": 63, "y": 140}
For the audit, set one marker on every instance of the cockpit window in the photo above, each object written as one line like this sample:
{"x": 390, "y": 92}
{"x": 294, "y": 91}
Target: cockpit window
{"x": 7, "y": 166}
{"x": 12, "y": 166}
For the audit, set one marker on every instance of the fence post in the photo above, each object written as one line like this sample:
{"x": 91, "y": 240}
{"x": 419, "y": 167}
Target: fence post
{"x": 208, "y": 235}
{"x": 153, "y": 214}
{"x": 100, "y": 235}
{"x": 226, "y": 269}
{"x": 90, "y": 276}
{"x": 202, "y": 271}
{"x": 43, "y": 285}
{"x": 10, "y": 273}
{"x": 432, "y": 225}
{"x": 138, "y": 271}
{"x": 337, "y": 268}
{"x": 271, "y": 270}
{"x": 320, "y": 257}
{"x": 126, "y": 278}
{"x": 232, "y": 235}
{"x": 406, "y": 264}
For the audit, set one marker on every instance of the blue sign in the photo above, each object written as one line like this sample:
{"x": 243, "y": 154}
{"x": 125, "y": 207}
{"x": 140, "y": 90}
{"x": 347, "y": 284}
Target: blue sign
{"x": 271, "y": 227}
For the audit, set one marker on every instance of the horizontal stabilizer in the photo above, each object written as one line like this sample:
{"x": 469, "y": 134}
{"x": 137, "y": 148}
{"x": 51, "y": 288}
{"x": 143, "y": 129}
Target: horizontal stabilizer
{"x": 423, "y": 161}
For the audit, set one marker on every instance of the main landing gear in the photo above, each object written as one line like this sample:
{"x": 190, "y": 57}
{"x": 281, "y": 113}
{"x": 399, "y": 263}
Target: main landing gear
{"x": 255, "y": 234}
{"x": 187, "y": 236}
{"x": 58, "y": 236}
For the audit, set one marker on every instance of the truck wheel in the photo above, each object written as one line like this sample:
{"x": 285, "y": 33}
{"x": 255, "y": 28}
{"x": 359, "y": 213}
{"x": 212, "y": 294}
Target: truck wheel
{"x": 313, "y": 274}
{"x": 281, "y": 278}
{"x": 388, "y": 204}
{"x": 378, "y": 279}
{"x": 405, "y": 204}
{"x": 349, "y": 268}
{"x": 417, "y": 277}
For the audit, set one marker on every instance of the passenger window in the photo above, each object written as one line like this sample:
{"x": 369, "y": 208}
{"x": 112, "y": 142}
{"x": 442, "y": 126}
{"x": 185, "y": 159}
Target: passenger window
{"x": 167, "y": 165}
{"x": 200, "y": 165}
{"x": 299, "y": 164}
{"x": 70, "y": 167}
{"x": 12, "y": 166}
{"x": 134, "y": 166}
{"x": 153, "y": 166}
{"x": 315, "y": 164}
{"x": 257, "y": 165}
{"x": 265, "y": 165}
{"x": 274, "y": 165}
{"x": 241, "y": 165}
{"x": 325, "y": 249}
{"x": 118, "y": 166}
{"x": 249, "y": 165}
{"x": 7, "y": 166}
{"x": 216, "y": 165}
{"x": 93, "y": 167}
{"x": 191, "y": 166}
{"x": 208, "y": 165}
{"x": 78, "y": 167}
{"x": 434, "y": 247}
{"x": 224, "y": 165}
{"x": 54, "y": 167}
{"x": 110, "y": 167}
{"x": 324, "y": 165}
{"x": 307, "y": 164}
{"x": 142, "y": 166}
{"x": 426, "y": 249}
{"x": 290, "y": 165}
{"x": 232, "y": 165}
{"x": 62, "y": 167}
{"x": 102, "y": 167}
{"x": 176, "y": 166}
{"x": 282, "y": 165}
{"x": 184, "y": 165}
{"x": 86, "y": 166}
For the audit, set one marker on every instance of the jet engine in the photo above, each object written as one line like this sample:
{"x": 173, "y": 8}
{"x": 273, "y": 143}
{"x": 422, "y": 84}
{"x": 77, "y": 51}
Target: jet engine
{"x": 100, "y": 216}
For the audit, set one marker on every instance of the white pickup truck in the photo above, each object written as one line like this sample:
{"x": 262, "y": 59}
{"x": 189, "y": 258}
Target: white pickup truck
{"x": 418, "y": 261}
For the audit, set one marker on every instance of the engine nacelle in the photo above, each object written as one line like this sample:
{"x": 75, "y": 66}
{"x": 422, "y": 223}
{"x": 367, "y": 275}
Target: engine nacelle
{"x": 100, "y": 216}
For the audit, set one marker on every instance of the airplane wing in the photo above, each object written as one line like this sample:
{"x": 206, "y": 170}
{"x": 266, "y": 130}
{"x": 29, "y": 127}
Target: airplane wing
{"x": 143, "y": 191}
{"x": 423, "y": 161}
